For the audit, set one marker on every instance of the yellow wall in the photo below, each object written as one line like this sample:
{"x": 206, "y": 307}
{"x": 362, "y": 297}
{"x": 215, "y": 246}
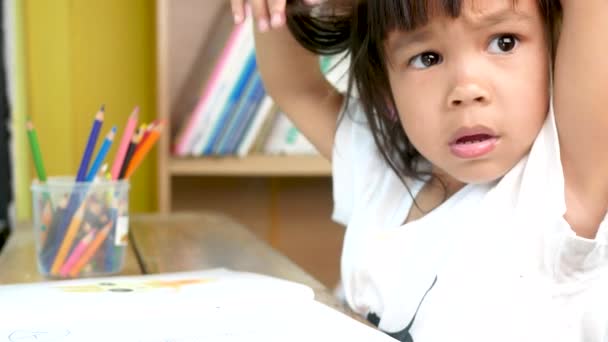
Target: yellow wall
{"x": 81, "y": 54}
{"x": 21, "y": 161}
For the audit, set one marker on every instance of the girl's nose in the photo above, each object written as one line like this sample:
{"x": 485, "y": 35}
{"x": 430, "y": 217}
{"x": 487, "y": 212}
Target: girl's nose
{"x": 467, "y": 94}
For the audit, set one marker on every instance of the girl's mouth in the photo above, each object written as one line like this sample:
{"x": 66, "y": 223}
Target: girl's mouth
{"x": 473, "y": 143}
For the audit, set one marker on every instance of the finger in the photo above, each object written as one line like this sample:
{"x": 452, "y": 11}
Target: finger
{"x": 260, "y": 13}
{"x": 238, "y": 10}
{"x": 313, "y": 2}
{"x": 276, "y": 10}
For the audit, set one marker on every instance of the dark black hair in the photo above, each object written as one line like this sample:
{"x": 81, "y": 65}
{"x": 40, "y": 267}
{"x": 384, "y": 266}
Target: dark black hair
{"x": 360, "y": 28}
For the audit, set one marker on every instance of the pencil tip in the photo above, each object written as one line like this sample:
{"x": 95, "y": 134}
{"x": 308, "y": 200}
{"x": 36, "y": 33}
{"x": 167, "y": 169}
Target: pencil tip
{"x": 103, "y": 108}
{"x": 111, "y": 133}
{"x": 135, "y": 113}
{"x": 99, "y": 116}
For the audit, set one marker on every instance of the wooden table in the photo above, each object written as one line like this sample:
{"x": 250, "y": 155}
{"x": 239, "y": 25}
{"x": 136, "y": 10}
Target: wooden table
{"x": 174, "y": 243}
{"x": 18, "y": 258}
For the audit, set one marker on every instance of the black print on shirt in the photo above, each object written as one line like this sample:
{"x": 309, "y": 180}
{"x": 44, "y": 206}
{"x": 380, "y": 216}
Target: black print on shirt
{"x": 403, "y": 335}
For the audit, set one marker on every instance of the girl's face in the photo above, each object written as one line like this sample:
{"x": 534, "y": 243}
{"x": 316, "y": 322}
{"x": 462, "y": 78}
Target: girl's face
{"x": 472, "y": 92}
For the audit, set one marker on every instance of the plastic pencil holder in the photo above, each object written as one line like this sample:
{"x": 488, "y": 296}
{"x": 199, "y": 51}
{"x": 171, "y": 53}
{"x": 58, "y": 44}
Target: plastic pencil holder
{"x": 80, "y": 228}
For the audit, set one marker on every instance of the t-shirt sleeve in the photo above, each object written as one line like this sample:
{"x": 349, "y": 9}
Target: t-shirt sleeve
{"x": 354, "y": 150}
{"x": 541, "y": 197}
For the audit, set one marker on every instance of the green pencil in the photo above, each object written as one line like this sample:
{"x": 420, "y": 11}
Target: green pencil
{"x": 36, "y": 154}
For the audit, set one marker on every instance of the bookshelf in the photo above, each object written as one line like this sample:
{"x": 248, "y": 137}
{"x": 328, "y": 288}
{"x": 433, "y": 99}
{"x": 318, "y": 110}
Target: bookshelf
{"x": 285, "y": 200}
{"x": 184, "y": 39}
{"x": 254, "y": 165}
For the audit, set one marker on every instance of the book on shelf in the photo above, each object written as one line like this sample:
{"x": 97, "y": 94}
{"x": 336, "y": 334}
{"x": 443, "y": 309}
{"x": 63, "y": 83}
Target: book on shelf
{"x": 259, "y": 127}
{"x": 241, "y": 63}
{"x": 235, "y": 116}
{"x": 217, "y": 89}
{"x": 219, "y": 124}
{"x": 259, "y": 141}
{"x": 242, "y": 117}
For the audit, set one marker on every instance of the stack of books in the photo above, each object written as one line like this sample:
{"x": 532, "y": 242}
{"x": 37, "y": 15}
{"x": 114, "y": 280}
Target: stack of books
{"x": 234, "y": 115}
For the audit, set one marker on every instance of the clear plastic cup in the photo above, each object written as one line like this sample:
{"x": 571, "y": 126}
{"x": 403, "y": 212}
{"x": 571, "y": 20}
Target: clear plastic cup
{"x": 80, "y": 229}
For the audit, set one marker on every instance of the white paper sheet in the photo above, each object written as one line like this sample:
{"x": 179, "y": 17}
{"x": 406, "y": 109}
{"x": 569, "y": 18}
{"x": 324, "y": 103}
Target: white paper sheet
{"x": 215, "y": 305}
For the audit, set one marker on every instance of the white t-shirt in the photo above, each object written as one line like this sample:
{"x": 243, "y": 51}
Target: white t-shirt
{"x": 497, "y": 261}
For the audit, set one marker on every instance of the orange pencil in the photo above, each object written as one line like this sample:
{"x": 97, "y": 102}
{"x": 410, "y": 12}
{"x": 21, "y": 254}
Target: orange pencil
{"x": 91, "y": 250}
{"x": 143, "y": 150}
{"x": 66, "y": 245}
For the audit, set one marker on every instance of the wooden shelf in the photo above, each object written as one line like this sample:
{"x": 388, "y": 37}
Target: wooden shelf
{"x": 254, "y": 165}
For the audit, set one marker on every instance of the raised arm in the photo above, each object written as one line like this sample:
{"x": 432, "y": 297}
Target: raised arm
{"x": 292, "y": 75}
{"x": 581, "y": 111}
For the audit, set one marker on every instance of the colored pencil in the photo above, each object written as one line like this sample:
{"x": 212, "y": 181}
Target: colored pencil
{"x": 109, "y": 246}
{"x": 77, "y": 253}
{"x": 47, "y": 214}
{"x": 35, "y": 147}
{"x": 132, "y": 146}
{"x": 47, "y": 218}
{"x": 37, "y": 157}
{"x": 88, "y": 151}
{"x": 146, "y": 133}
{"x": 51, "y": 232}
{"x": 143, "y": 150}
{"x": 51, "y": 248}
{"x": 124, "y": 143}
{"x": 103, "y": 172}
{"x": 142, "y": 127}
{"x": 66, "y": 244}
{"x": 101, "y": 155}
{"x": 91, "y": 250}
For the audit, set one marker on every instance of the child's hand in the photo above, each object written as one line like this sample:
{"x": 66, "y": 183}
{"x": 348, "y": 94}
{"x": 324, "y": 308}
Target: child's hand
{"x": 268, "y": 13}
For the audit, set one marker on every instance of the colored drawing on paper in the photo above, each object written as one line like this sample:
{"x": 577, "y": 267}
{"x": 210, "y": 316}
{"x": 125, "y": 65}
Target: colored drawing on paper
{"x": 141, "y": 286}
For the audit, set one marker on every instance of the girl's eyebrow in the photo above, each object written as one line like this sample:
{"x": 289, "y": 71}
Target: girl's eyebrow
{"x": 497, "y": 17}
{"x": 404, "y": 39}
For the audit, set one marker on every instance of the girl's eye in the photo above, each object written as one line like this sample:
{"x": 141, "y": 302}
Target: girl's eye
{"x": 503, "y": 44}
{"x": 425, "y": 60}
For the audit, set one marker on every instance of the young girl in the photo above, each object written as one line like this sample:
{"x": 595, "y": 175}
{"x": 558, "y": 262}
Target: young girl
{"x": 469, "y": 165}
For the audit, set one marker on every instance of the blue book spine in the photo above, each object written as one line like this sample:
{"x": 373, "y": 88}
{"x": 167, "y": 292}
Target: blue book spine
{"x": 248, "y": 117}
{"x": 247, "y": 105}
{"x": 233, "y": 99}
{"x": 238, "y": 111}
